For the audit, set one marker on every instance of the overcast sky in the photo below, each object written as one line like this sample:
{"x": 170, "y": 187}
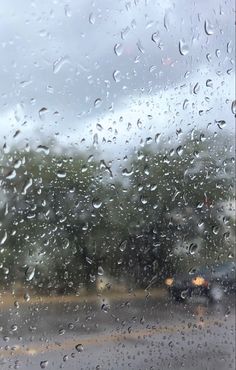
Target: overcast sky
{"x": 120, "y": 70}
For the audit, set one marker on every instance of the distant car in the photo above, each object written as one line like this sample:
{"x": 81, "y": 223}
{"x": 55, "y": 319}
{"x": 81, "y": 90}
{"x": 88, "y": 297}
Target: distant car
{"x": 212, "y": 281}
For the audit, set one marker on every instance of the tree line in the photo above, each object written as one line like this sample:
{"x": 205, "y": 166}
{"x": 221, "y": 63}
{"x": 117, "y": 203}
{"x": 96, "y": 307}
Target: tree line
{"x": 65, "y": 219}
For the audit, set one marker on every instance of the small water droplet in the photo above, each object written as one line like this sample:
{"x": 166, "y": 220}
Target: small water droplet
{"x": 59, "y": 63}
{"x": 183, "y": 48}
{"x": 67, "y": 11}
{"x": 123, "y": 245}
{"x": 124, "y": 33}
{"x": 208, "y": 27}
{"x": 184, "y": 294}
{"x": 142, "y": 320}
{"x": 6, "y": 148}
{"x": 26, "y": 297}
{"x": 92, "y": 278}
{"x": 155, "y": 37}
{"x": 92, "y": 18}
{"x": 221, "y": 124}
{"x": 97, "y": 103}
{"x": 16, "y": 133}
{"x": 14, "y": 327}
{"x": 143, "y": 199}
{"x": 5, "y": 270}
{"x": 157, "y": 138}
{"x": 43, "y": 148}
{"x": 11, "y": 175}
{"x": 43, "y": 364}
{"x": 29, "y": 273}
{"x": 89, "y": 261}
{"x": 42, "y": 113}
{"x": 196, "y": 88}
{"x": 229, "y": 47}
{"x": 140, "y": 47}
{"x": 233, "y": 107}
{"x": 185, "y": 104}
{"x": 118, "y": 49}
{"x": 209, "y": 83}
{"x": 96, "y": 203}
{"x": 127, "y": 173}
{"x": 117, "y": 76}
{"x": 27, "y": 185}
{"x": 167, "y": 21}
{"x": 193, "y": 248}
{"x": 4, "y": 238}
{"x": 215, "y": 230}
{"x": 61, "y": 174}
{"x": 105, "y": 307}
{"x": 79, "y": 347}
{"x": 179, "y": 150}
{"x": 100, "y": 271}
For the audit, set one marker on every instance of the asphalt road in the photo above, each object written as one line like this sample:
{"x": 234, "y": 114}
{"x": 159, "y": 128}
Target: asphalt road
{"x": 130, "y": 333}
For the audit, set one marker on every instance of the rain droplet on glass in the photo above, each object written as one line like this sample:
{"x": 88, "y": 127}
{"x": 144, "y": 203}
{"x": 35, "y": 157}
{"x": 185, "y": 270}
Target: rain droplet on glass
{"x": 208, "y": 27}
{"x": 118, "y": 49}
{"x": 183, "y": 48}
{"x": 59, "y": 63}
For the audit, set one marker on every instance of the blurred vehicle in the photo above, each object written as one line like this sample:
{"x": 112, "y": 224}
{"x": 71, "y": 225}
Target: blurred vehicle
{"x": 211, "y": 281}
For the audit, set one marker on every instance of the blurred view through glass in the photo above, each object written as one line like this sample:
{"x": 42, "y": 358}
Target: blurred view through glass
{"x": 117, "y": 197}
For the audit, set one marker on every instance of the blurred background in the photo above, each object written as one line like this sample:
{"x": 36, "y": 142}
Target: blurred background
{"x": 117, "y": 141}
{"x": 117, "y": 184}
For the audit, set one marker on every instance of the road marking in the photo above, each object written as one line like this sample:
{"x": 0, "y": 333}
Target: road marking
{"x": 141, "y": 334}
{"x": 8, "y": 300}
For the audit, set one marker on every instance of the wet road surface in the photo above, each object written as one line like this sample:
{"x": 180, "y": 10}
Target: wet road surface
{"x": 131, "y": 333}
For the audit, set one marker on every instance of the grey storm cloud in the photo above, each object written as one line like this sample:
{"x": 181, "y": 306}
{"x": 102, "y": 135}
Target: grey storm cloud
{"x": 83, "y": 61}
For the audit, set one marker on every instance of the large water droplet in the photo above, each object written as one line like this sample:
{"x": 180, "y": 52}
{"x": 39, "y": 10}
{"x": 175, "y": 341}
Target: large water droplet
{"x": 183, "y": 48}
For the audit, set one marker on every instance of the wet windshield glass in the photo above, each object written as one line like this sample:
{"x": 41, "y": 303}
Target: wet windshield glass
{"x": 117, "y": 194}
